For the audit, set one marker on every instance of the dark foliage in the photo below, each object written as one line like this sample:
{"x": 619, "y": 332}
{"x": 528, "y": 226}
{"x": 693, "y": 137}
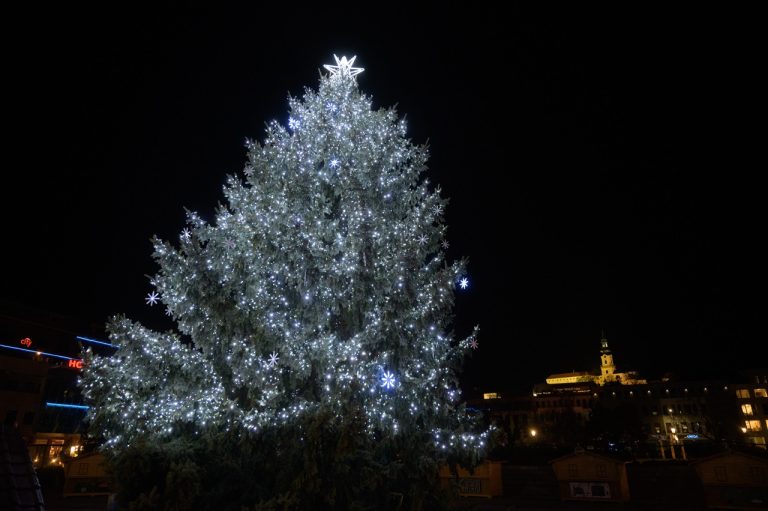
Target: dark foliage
{"x": 319, "y": 464}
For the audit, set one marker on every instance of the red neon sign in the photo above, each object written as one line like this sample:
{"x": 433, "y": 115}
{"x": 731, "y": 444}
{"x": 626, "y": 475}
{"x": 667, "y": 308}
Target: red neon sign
{"x": 75, "y": 363}
{"x": 26, "y": 342}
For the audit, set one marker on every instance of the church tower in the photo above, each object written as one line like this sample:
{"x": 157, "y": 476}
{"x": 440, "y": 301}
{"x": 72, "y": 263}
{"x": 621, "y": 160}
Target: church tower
{"x": 607, "y": 368}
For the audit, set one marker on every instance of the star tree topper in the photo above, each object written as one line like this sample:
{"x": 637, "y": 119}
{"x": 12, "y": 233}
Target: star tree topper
{"x": 343, "y": 67}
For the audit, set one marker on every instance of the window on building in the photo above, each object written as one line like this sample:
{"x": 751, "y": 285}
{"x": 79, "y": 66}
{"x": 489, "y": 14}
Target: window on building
{"x": 657, "y": 428}
{"x": 573, "y": 471}
{"x": 721, "y": 474}
{"x": 758, "y": 440}
{"x": 597, "y": 490}
{"x": 761, "y": 393}
{"x": 82, "y": 469}
{"x": 752, "y": 425}
{"x": 684, "y": 427}
{"x": 54, "y": 451}
{"x": 746, "y": 409}
{"x": 602, "y": 470}
{"x": 742, "y": 393}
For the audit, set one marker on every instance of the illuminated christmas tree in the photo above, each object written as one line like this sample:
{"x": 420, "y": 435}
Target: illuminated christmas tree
{"x": 320, "y": 295}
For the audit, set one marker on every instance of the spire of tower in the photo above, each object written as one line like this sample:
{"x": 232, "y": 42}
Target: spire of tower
{"x": 604, "y": 343}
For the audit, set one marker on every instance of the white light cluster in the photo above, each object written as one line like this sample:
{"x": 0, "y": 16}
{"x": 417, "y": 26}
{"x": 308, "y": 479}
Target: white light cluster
{"x": 343, "y": 67}
{"x": 325, "y": 266}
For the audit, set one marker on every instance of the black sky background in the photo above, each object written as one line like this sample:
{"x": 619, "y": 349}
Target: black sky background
{"x": 597, "y": 162}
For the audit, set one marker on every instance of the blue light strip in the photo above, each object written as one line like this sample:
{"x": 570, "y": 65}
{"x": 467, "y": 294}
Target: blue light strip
{"x": 38, "y": 352}
{"x": 65, "y": 405}
{"x": 95, "y": 341}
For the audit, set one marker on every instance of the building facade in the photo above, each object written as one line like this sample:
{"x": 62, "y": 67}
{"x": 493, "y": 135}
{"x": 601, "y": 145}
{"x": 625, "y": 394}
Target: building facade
{"x": 606, "y": 374}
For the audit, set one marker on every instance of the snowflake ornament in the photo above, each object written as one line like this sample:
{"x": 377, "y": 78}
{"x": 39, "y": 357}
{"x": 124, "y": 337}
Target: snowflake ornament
{"x": 445, "y": 244}
{"x": 273, "y": 358}
{"x": 186, "y": 234}
{"x": 473, "y": 344}
{"x": 422, "y": 239}
{"x": 388, "y": 380}
{"x": 152, "y": 298}
{"x": 464, "y": 283}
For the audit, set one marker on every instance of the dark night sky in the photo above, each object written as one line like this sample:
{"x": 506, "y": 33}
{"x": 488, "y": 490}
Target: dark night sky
{"x": 596, "y": 162}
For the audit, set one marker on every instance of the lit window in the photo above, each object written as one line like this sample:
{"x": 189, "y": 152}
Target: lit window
{"x": 761, "y": 393}
{"x": 752, "y": 425}
{"x": 573, "y": 471}
{"x": 742, "y": 393}
{"x": 747, "y": 409}
{"x": 758, "y": 440}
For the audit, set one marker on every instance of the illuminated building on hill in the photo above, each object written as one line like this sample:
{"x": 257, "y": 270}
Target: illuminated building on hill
{"x": 607, "y": 372}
